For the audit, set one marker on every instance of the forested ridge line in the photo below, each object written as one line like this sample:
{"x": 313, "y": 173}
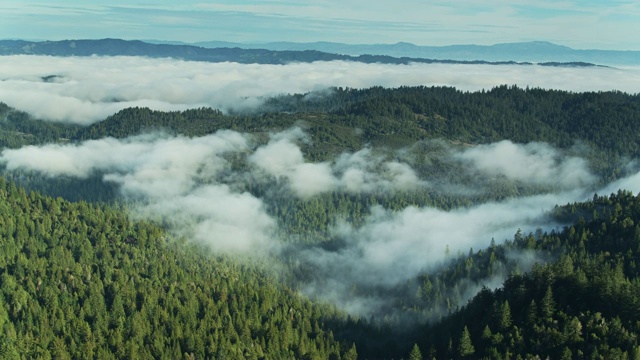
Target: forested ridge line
{"x": 390, "y": 117}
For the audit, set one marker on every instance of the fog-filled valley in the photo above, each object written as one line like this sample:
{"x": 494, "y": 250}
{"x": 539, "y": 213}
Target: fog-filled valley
{"x": 85, "y": 90}
{"x": 318, "y": 210}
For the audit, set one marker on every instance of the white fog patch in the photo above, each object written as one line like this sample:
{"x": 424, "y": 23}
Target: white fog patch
{"x": 172, "y": 179}
{"x": 85, "y": 90}
{"x": 418, "y": 239}
{"x": 631, "y": 183}
{"x": 311, "y": 179}
{"x": 395, "y": 247}
{"x": 532, "y": 163}
{"x": 213, "y": 215}
{"x": 283, "y": 158}
{"x": 155, "y": 165}
{"x": 359, "y": 172}
{"x": 365, "y": 171}
{"x": 281, "y": 155}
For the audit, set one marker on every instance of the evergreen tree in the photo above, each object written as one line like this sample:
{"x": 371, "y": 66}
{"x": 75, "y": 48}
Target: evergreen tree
{"x": 465, "y": 347}
{"x": 351, "y": 354}
{"x": 547, "y": 305}
{"x": 415, "y": 353}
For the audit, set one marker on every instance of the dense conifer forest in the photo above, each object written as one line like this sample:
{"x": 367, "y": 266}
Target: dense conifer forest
{"x": 83, "y": 276}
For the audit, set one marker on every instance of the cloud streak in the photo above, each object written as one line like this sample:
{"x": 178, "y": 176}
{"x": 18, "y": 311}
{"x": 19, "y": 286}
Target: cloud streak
{"x": 171, "y": 178}
{"x": 583, "y": 24}
{"x": 88, "y": 89}
{"x": 532, "y": 163}
{"x": 360, "y": 172}
{"x": 392, "y": 248}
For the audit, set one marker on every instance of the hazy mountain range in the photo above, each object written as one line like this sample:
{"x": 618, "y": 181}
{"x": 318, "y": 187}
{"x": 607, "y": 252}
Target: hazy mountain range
{"x": 534, "y": 51}
{"x": 285, "y": 52}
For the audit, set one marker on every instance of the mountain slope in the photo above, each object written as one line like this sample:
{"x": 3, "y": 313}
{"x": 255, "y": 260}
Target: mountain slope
{"x": 584, "y": 305}
{"x": 83, "y": 281}
{"x": 119, "y": 283}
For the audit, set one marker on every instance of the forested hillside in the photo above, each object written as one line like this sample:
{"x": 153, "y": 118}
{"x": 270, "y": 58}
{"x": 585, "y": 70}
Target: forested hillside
{"x": 81, "y": 281}
{"x": 385, "y": 251}
{"x": 584, "y": 305}
{"x": 390, "y": 116}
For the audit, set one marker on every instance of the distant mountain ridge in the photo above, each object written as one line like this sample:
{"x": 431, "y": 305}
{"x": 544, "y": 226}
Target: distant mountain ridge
{"x": 534, "y": 51}
{"x": 277, "y": 53}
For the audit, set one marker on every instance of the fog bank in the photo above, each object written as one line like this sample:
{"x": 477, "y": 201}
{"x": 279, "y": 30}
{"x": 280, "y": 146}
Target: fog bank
{"x": 85, "y": 90}
{"x": 191, "y": 185}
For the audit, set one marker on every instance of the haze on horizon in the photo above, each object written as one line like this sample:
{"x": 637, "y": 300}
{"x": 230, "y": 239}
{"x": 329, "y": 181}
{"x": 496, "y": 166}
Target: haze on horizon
{"x": 580, "y": 24}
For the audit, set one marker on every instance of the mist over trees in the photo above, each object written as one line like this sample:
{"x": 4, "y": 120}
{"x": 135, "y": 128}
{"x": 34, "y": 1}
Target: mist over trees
{"x": 86, "y": 90}
{"x": 411, "y": 222}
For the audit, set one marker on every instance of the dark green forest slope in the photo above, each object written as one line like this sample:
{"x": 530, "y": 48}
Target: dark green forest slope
{"x": 582, "y": 306}
{"x": 390, "y": 117}
{"x": 81, "y": 280}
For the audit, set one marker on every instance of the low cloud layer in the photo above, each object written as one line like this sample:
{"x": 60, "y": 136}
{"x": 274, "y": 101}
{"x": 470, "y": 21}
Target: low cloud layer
{"x": 177, "y": 179}
{"x": 189, "y": 184}
{"x": 174, "y": 179}
{"x": 393, "y": 247}
{"x": 225, "y": 221}
{"x": 152, "y": 165}
{"x": 282, "y": 158}
{"x": 533, "y": 163}
{"x": 358, "y": 172}
{"x": 85, "y": 90}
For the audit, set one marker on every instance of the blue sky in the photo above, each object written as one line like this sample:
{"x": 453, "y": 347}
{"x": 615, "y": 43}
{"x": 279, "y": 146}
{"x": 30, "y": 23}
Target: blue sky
{"x": 580, "y": 24}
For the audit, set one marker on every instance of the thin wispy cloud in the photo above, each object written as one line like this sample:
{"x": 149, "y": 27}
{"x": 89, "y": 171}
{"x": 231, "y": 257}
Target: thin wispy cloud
{"x": 581, "y": 24}
{"x": 359, "y": 172}
{"x": 533, "y": 163}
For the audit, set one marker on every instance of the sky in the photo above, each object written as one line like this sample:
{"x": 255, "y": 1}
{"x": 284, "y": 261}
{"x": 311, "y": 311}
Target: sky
{"x": 580, "y": 24}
